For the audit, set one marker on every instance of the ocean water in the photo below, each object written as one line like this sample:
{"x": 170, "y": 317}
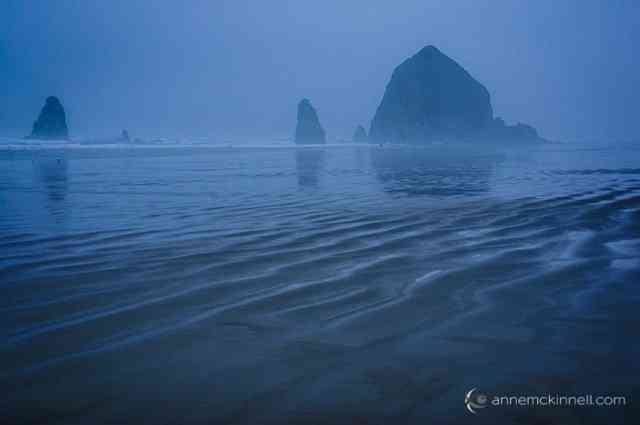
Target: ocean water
{"x": 267, "y": 284}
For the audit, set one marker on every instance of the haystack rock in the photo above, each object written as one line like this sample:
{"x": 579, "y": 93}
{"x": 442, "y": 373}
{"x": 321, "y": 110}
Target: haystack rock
{"x": 308, "y": 129}
{"x": 360, "y": 135}
{"x": 52, "y": 121}
{"x": 430, "y": 97}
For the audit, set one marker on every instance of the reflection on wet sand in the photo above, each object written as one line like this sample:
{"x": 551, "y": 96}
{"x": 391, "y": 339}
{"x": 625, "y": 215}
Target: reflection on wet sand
{"x": 52, "y": 174}
{"x": 52, "y": 177}
{"x": 207, "y": 286}
{"x": 429, "y": 172}
{"x": 309, "y": 164}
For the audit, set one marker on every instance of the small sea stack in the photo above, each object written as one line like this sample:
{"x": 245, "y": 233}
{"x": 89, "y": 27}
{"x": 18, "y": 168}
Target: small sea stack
{"x": 360, "y": 135}
{"x": 308, "y": 128}
{"x": 52, "y": 121}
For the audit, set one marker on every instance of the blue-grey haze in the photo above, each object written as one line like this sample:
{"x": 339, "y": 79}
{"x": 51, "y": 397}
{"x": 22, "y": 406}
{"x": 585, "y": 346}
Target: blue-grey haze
{"x": 236, "y": 69}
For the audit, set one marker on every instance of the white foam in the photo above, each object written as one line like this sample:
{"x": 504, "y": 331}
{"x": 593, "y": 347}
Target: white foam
{"x": 428, "y": 276}
{"x": 419, "y": 282}
{"x": 475, "y": 232}
{"x": 625, "y": 247}
{"x": 576, "y": 240}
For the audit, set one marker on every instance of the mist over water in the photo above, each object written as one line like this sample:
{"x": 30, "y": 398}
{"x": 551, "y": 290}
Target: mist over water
{"x": 235, "y": 69}
{"x": 275, "y": 284}
{"x": 178, "y": 245}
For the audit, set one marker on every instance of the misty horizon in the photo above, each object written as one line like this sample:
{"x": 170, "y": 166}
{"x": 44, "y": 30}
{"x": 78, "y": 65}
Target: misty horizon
{"x": 234, "y": 70}
{"x": 301, "y": 212}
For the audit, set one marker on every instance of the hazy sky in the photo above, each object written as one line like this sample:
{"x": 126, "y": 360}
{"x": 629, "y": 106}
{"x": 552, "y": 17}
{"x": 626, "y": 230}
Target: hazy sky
{"x": 236, "y": 69}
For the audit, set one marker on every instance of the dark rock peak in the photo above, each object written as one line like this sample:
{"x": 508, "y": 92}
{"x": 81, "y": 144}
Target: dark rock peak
{"x": 52, "y": 121}
{"x": 360, "y": 135}
{"x": 308, "y": 128}
{"x": 430, "y": 97}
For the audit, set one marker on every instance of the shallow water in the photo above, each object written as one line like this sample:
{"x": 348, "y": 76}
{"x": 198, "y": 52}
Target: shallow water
{"x": 343, "y": 284}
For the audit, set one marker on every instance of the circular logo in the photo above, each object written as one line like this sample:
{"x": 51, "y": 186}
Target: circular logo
{"x": 475, "y": 400}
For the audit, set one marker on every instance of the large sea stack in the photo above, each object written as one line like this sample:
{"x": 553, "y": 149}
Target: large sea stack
{"x": 432, "y": 98}
{"x": 308, "y": 128}
{"x": 52, "y": 121}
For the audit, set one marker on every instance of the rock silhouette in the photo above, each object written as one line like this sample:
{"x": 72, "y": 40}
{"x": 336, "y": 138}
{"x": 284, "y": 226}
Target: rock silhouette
{"x": 360, "y": 135}
{"x": 308, "y": 128}
{"x": 499, "y": 131}
{"x": 52, "y": 121}
{"x": 430, "y": 97}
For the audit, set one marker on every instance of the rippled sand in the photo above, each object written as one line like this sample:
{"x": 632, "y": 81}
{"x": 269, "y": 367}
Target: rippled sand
{"x": 337, "y": 285}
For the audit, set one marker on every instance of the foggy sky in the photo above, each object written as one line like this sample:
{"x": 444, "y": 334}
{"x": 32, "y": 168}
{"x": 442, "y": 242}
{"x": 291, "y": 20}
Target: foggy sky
{"x": 236, "y": 69}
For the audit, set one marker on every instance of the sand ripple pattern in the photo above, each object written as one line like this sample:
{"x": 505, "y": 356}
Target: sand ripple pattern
{"x": 333, "y": 250}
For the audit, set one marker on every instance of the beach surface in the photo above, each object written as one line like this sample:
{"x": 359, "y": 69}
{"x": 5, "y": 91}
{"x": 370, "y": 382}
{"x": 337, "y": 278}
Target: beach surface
{"x": 344, "y": 284}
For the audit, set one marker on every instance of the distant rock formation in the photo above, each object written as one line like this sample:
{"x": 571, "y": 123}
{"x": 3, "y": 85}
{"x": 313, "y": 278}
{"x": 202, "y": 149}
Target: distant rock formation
{"x": 360, "y": 135}
{"x": 308, "y": 128}
{"x": 501, "y": 132}
{"x": 124, "y": 136}
{"x": 52, "y": 121}
{"x": 432, "y": 98}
